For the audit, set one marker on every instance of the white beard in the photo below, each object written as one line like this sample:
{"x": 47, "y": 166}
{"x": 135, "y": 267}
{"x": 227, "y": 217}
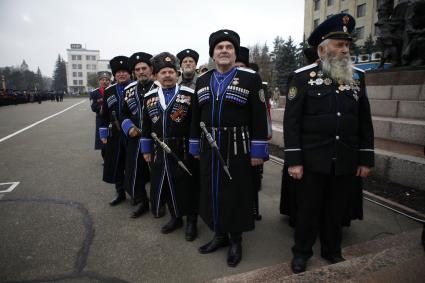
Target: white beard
{"x": 188, "y": 72}
{"x": 338, "y": 69}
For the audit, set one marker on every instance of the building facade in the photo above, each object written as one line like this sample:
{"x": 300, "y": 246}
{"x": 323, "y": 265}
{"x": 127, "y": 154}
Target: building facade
{"x": 364, "y": 11}
{"x": 80, "y": 64}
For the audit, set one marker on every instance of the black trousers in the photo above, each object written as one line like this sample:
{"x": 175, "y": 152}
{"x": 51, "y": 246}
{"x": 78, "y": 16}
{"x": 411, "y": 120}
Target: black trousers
{"x": 166, "y": 198}
{"x": 321, "y": 203}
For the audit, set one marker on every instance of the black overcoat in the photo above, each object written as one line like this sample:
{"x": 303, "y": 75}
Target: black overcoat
{"x": 238, "y": 121}
{"x": 172, "y": 125}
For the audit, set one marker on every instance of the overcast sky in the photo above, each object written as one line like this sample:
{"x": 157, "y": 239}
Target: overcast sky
{"x": 38, "y": 31}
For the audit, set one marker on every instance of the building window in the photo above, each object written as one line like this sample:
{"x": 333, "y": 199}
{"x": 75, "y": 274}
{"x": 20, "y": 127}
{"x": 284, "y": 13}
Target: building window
{"x": 331, "y": 2}
{"x": 93, "y": 58}
{"x": 80, "y": 74}
{"x": 80, "y": 82}
{"x": 345, "y": 11}
{"x": 361, "y": 10}
{"x": 316, "y": 5}
{"x": 80, "y": 66}
{"x": 74, "y": 74}
{"x": 74, "y": 66}
{"x": 88, "y": 66}
{"x": 74, "y": 57}
{"x": 315, "y": 23}
{"x": 88, "y": 57}
{"x": 78, "y": 57}
{"x": 75, "y": 82}
{"x": 93, "y": 66}
{"x": 360, "y": 32}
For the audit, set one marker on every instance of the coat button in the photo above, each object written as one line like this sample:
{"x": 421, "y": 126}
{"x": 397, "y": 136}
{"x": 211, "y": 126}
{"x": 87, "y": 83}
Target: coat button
{"x": 318, "y": 94}
{"x": 338, "y": 114}
{"x": 337, "y": 91}
{"x": 337, "y": 137}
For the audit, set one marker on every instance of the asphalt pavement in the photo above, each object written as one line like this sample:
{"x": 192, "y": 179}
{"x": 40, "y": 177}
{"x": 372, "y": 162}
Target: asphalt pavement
{"x": 57, "y": 226}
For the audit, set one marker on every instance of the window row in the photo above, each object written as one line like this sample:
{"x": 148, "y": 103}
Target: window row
{"x": 77, "y": 74}
{"x": 77, "y": 82}
{"x": 361, "y": 9}
{"x": 88, "y": 66}
{"x": 79, "y": 57}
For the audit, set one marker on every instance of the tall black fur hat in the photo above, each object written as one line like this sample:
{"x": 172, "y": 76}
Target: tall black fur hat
{"x": 119, "y": 63}
{"x": 188, "y": 53}
{"x": 223, "y": 35}
{"x": 140, "y": 57}
{"x": 164, "y": 60}
{"x": 243, "y": 56}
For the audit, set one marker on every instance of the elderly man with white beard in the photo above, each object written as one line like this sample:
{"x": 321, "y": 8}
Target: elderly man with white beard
{"x": 328, "y": 136}
{"x": 188, "y": 61}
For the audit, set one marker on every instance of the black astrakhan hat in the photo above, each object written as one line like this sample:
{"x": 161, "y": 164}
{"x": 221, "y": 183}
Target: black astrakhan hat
{"x": 338, "y": 26}
{"x": 243, "y": 56}
{"x": 254, "y": 66}
{"x": 119, "y": 63}
{"x": 164, "y": 60}
{"x": 223, "y": 35}
{"x": 139, "y": 57}
{"x": 188, "y": 53}
{"x": 104, "y": 74}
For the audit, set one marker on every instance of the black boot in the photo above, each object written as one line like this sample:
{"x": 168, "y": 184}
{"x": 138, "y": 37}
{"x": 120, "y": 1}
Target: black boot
{"x": 234, "y": 254}
{"x": 191, "y": 228}
{"x": 173, "y": 224}
{"x": 120, "y": 197}
{"x": 143, "y": 208}
{"x": 298, "y": 264}
{"x": 219, "y": 241}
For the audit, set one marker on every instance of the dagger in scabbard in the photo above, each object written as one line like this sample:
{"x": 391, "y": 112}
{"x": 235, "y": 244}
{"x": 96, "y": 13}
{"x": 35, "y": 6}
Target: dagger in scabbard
{"x": 214, "y": 146}
{"x": 168, "y": 150}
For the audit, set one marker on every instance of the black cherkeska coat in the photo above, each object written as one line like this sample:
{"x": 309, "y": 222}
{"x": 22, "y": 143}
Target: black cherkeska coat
{"x": 172, "y": 125}
{"x": 114, "y": 165}
{"x": 238, "y": 121}
{"x": 136, "y": 168}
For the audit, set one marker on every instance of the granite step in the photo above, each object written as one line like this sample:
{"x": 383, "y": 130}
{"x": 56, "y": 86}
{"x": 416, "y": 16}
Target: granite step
{"x": 397, "y": 92}
{"x": 399, "y": 129}
{"x": 398, "y": 109}
{"x": 364, "y": 261}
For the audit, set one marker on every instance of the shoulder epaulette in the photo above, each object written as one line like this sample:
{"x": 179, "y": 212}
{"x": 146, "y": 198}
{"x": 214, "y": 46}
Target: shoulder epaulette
{"x": 308, "y": 67}
{"x": 209, "y": 71}
{"x": 246, "y": 70}
{"x": 358, "y": 69}
{"x": 151, "y": 92}
{"x": 188, "y": 89}
{"x": 130, "y": 85}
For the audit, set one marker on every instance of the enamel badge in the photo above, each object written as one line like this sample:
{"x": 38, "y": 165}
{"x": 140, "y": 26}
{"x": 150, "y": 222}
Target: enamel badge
{"x": 292, "y": 93}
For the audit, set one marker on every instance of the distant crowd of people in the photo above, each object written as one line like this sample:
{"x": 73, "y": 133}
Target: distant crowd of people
{"x": 15, "y": 97}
